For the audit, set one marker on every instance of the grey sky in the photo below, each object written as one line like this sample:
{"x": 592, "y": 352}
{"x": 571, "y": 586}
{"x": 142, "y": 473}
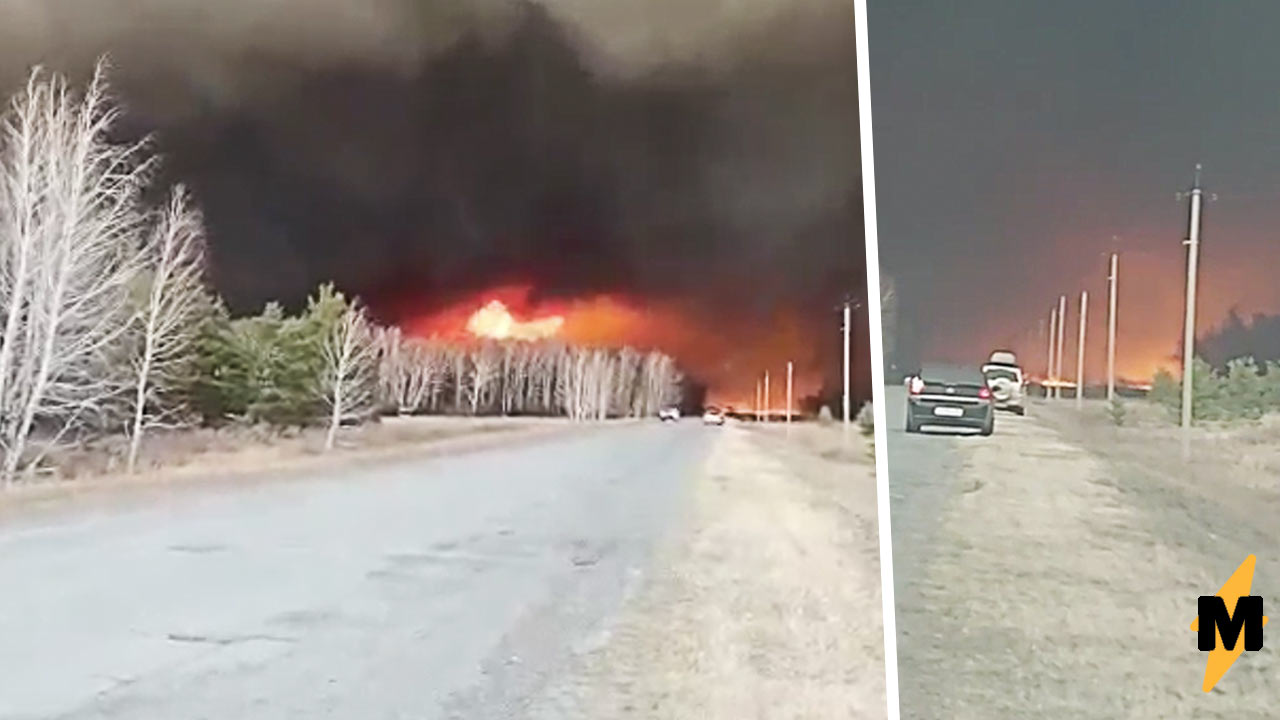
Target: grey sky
{"x": 1013, "y": 139}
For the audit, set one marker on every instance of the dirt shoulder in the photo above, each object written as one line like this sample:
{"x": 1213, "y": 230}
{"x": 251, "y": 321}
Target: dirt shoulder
{"x": 205, "y": 459}
{"x": 767, "y": 605}
{"x": 1062, "y": 583}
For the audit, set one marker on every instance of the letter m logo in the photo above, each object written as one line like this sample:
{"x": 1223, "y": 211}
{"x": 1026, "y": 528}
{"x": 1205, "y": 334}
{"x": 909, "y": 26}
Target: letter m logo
{"x": 1216, "y": 621}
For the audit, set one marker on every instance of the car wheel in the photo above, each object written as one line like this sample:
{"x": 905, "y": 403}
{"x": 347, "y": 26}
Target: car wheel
{"x": 911, "y": 423}
{"x": 1020, "y": 410}
{"x": 990, "y": 427}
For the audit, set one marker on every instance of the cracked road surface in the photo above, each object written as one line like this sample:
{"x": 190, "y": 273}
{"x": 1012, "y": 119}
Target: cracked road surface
{"x": 454, "y": 586}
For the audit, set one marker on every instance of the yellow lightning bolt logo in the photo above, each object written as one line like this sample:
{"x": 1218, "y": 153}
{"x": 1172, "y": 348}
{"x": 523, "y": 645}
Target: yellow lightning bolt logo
{"x": 1220, "y": 659}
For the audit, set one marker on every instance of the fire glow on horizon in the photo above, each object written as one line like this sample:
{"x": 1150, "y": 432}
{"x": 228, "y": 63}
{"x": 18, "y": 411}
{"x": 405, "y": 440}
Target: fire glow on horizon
{"x": 727, "y": 357}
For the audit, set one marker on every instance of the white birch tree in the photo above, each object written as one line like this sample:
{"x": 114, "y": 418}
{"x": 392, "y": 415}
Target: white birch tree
{"x": 349, "y": 370}
{"x": 70, "y": 222}
{"x": 168, "y": 320}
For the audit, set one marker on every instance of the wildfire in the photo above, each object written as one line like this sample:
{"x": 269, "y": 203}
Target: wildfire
{"x": 495, "y": 321}
{"x": 727, "y": 356}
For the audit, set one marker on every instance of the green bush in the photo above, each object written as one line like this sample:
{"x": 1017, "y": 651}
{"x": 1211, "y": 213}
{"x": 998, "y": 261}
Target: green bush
{"x": 1242, "y": 390}
{"x": 1117, "y": 412}
{"x": 866, "y": 419}
{"x": 267, "y": 367}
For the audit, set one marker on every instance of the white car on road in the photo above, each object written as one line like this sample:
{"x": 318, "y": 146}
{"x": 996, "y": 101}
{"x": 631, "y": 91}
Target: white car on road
{"x": 713, "y": 416}
{"x": 669, "y": 414}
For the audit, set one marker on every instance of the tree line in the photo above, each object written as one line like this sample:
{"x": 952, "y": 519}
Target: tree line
{"x": 1243, "y": 389}
{"x": 108, "y": 323}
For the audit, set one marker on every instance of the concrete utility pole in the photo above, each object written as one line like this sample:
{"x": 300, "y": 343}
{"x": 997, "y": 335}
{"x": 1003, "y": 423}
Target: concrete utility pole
{"x": 757, "y": 408}
{"x": 1048, "y": 372}
{"x": 1111, "y": 329}
{"x": 1189, "y": 326}
{"x": 1084, "y": 314}
{"x": 789, "y": 369}
{"x": 848, "y": 314}
{"x": 768, "y": 401}
{"x": 1062, "y": 336}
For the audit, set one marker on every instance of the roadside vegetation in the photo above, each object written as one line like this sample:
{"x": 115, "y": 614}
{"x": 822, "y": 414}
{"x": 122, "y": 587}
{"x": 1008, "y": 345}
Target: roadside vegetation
{"x": 1240, "y": 390}
{"x": 109, "y": 327}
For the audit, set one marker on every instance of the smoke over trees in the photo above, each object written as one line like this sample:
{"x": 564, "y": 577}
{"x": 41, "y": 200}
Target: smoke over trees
{"x": 692, "y": 152}
{"x": 109, "y": 326}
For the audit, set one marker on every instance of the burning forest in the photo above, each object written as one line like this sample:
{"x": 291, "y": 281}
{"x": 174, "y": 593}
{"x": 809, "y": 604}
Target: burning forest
{"x": 697, "y": 192}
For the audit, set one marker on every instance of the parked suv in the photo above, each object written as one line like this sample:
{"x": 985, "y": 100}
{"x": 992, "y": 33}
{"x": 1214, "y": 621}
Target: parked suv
{"x": 1008, "y": 385}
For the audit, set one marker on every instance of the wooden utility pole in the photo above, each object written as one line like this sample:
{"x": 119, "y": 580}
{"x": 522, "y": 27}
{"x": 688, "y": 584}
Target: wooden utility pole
{"x": 1062, "y": 336}
{"x": 1189, "y": 325}
{"x": 1084, "y": 315}
{"x": 789, "y": 370}
{"x": 1111, "y": 329}
{"x": 1051, "y": 372}
{"x": 768, "y": 401}
{"x": 848, "y": 315}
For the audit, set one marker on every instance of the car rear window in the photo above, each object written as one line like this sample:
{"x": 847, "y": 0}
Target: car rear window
{"x": 1001, "y": 374}
{"x": 952, "y": 375}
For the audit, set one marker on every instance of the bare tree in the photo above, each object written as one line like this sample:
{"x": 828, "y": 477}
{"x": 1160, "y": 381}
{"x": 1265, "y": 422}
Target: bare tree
{"x": 545, "y": 365}
{"x": 349, "y": 375}
{"x": 459, "y": 362}
{"x": 512, "y": 376}
{"x": 70, "y": 220}
{"x": 484, "y": 372}
{"x": 425, "y": 365}
{"x": 601, "y": 383}
{"x": 625, "y": 380}
{"x": 167, "y": 322}
{"x": 393, "y": 367}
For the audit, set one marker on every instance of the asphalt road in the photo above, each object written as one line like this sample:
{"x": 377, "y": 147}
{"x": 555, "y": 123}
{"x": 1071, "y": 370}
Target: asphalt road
{"x": 449, "y": 587}
{"x": 924, "y": 472}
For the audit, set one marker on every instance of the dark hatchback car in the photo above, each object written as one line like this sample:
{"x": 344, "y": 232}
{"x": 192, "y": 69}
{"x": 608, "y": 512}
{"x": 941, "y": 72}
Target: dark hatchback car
{"x": 950, "y": 396}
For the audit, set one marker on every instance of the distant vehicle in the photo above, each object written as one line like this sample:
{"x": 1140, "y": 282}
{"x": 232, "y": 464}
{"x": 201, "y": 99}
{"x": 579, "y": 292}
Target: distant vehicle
{"x": 669, "y": 414}
{"x": 1008, "y": 385}
{"x": 713, "y": 416}
{"x": 950, "y": 396}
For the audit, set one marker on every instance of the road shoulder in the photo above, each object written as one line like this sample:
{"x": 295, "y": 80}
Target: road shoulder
{"x": 767, "y": 604}
{"x": 1051, "y": 592}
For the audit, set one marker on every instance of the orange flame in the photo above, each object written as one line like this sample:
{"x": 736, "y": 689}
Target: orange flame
{"x": 715, "y": 350}
{"x": 496, "y": 322}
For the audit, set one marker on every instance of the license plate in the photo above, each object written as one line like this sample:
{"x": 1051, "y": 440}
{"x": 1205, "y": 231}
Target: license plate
{"x": 948, "y": 412}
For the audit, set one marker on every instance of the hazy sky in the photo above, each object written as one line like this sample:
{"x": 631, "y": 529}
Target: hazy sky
{"x": 1014, "y": 139}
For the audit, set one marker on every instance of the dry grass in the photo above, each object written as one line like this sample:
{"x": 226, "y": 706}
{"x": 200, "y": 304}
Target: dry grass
{"x": 769, "y": 605}
{"x": 1245, "y": 452}
{"x": 1064, "y": 576}
{"x": 259, "y": 453}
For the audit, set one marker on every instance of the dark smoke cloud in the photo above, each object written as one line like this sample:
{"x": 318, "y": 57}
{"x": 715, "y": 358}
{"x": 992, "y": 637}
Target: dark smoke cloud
{"x": 664, "y": 150}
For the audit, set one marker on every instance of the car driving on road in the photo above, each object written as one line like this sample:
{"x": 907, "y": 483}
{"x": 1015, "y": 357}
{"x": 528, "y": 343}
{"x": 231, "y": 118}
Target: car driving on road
{"x": 713, "y": 416}
{"x": 1005, "y": 379}
{"x": 950, "y": 396}
{"x": 669, "y": 414}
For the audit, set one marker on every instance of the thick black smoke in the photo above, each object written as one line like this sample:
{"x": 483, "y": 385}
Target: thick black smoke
{"x": 508, "y": 155}
{"x": 1256, "y": 338}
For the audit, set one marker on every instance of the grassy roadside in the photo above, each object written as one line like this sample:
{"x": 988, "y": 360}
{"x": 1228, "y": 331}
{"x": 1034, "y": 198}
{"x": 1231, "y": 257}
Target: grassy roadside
{"x": 767, "y": 605}
{"x": 1064, "y": 576}
{"x": 204, "y": 458}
